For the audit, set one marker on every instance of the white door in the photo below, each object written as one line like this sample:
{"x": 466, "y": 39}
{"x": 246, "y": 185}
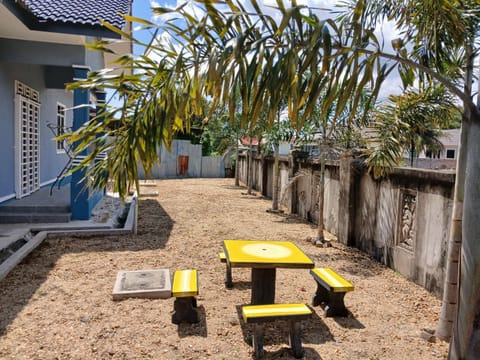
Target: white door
{"x": 27, "y": 141}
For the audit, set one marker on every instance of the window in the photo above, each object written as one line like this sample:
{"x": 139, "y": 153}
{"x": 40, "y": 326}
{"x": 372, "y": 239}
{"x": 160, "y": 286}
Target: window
{"x": 450, "y": 154}
{"x": 60, "y": 126}
{"x": 432, "y": 155}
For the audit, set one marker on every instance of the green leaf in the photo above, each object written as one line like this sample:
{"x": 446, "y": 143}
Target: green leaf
{"x": 138, "y": 20}
{"x": 116, "y": 30}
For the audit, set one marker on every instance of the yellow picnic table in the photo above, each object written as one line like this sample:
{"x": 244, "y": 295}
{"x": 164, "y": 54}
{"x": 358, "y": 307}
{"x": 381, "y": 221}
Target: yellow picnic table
{"x": 264, "y": 257}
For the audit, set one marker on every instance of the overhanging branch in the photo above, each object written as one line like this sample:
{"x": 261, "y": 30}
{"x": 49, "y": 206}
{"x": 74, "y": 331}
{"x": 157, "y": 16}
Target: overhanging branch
{"x": 468, "y": 102}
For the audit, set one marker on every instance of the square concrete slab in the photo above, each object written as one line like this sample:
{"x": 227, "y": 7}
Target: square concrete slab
{"x": 152, "y": 284}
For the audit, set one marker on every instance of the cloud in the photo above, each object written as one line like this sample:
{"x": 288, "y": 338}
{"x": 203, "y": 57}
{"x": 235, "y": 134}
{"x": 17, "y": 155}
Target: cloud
{"x": 385, "y": 31}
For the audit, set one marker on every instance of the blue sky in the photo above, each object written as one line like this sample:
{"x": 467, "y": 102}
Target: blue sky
{"x": 142, "y": 9}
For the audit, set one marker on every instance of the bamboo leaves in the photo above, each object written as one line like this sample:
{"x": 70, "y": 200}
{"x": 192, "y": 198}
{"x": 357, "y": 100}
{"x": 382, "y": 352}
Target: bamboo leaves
{"x": 215, "y": 52}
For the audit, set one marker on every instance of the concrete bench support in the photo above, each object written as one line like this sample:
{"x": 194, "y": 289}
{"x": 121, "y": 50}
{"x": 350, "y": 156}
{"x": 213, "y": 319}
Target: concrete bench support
{"x": 228, "y": 270}
{"x": 184, "y": 289}
{"x": 331, "y": 289}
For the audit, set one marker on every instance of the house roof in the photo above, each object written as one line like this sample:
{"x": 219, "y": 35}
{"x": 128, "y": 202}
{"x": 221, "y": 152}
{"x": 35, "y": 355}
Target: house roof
{"x": 450, "y": 137}
{"x": 71, "y": 16}
{"x": 245, "y": 140}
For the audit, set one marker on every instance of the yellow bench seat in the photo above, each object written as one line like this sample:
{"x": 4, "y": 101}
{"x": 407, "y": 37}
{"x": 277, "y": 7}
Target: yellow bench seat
{"x": 330, "y": 278}
{"x": 185, "y": 283}
{"x": 271, "y": 312}
{"x": 222, "y": 257}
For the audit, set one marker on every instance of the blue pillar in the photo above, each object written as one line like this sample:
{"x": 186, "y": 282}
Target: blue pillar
{"x": 79, "y": 194}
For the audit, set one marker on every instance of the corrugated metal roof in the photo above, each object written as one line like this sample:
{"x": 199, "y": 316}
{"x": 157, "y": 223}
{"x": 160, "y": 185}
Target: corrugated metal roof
{"x": 86, "y": 12}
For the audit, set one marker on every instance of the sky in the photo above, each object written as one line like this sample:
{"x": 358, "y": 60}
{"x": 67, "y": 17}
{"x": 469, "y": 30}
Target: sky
{"x": 142, "y": 9}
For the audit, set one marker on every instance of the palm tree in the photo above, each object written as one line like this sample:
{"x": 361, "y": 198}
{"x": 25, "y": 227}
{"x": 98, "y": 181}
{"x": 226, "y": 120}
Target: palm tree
{"x": 411, "y": 123}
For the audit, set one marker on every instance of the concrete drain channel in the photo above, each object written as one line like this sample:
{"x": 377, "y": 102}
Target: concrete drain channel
{"x": 16, "y": 251}
{"x": 11, "y": 249}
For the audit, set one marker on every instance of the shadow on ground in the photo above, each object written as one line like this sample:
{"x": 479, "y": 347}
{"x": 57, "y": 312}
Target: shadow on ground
{"x": 349, "y": 322}
{"x": 241, "y": 285}
{"x": 233, "y": 187}
{"x": 28, "y": 276}
{"x": 285, "y": 353}
{"x": 359, "y": 264}
{"x": 199, "y": 329}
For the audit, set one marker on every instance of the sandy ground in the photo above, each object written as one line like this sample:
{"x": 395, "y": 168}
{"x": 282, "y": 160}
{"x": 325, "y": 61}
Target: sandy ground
{"x": 57, "y": 304}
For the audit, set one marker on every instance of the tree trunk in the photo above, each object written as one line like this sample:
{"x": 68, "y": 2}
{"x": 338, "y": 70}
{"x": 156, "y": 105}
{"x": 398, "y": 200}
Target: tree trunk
{"x": 450, "y": 285}
{"x": 237, "y": 154}
{"x": 412, "y": 151}
{"x": 276, "y": 178}
{"x": 465, "y": 343}
{"x": 321, "y": 194}
{"x": 250, "y": 168}
{"x": 466, "y": 334}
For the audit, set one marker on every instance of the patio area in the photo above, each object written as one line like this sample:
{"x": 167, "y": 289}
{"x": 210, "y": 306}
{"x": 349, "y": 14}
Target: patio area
{"x": 58, "y": 302}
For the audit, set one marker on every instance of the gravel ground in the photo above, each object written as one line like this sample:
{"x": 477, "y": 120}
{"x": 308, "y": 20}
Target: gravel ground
{"x": 57, "y": 304}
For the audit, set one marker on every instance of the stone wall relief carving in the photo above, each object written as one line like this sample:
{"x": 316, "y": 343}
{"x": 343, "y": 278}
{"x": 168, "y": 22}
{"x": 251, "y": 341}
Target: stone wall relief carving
{"x": 407, "y": 229}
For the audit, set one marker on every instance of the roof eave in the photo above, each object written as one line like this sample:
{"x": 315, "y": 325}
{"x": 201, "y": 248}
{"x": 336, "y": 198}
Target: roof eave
{"x": 32, "y": 23}
{"x": 74, "y": 29}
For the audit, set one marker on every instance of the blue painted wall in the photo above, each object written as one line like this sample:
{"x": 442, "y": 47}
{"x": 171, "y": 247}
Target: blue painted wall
{"x": 6, "y": 135}
{"x": 51, "y": 162}
{"x": 29, "y": 62}
{"x": 40, "y": 53}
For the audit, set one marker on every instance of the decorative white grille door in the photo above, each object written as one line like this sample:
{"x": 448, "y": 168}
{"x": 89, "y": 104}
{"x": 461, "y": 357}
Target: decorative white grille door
{"x": 27, "y": 141}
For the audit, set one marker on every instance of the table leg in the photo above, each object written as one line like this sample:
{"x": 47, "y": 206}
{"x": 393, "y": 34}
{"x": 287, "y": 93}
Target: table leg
{"x": 228, "y": 276}
{"x": 263, "y": 286}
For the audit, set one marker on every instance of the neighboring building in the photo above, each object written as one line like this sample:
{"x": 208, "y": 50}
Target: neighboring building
{"x": 284, "y": 148}
{"x": 245, "y": 141}
{"x": 445, "y": 159}
{"x": 450, "y": 141}
{"x": 42, "y": 49}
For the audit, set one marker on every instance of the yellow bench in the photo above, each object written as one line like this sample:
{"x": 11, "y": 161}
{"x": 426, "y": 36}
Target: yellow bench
{"x": 331, "y": 289}
{"x": 228, "y": 270}
{"x": 184, "y": 289}
{"x": 293, "y": 313}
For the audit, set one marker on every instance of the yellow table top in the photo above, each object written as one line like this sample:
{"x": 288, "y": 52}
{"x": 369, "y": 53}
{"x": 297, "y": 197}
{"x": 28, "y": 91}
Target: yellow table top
{"x": 265, "y": 254}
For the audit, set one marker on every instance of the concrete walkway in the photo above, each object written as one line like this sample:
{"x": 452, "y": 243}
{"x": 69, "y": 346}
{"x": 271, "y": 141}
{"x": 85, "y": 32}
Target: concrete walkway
{"x": 47, "y": 197}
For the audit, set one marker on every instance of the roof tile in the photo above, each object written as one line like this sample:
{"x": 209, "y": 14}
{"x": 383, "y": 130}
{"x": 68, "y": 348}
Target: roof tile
{"x": 79, "y": 11}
